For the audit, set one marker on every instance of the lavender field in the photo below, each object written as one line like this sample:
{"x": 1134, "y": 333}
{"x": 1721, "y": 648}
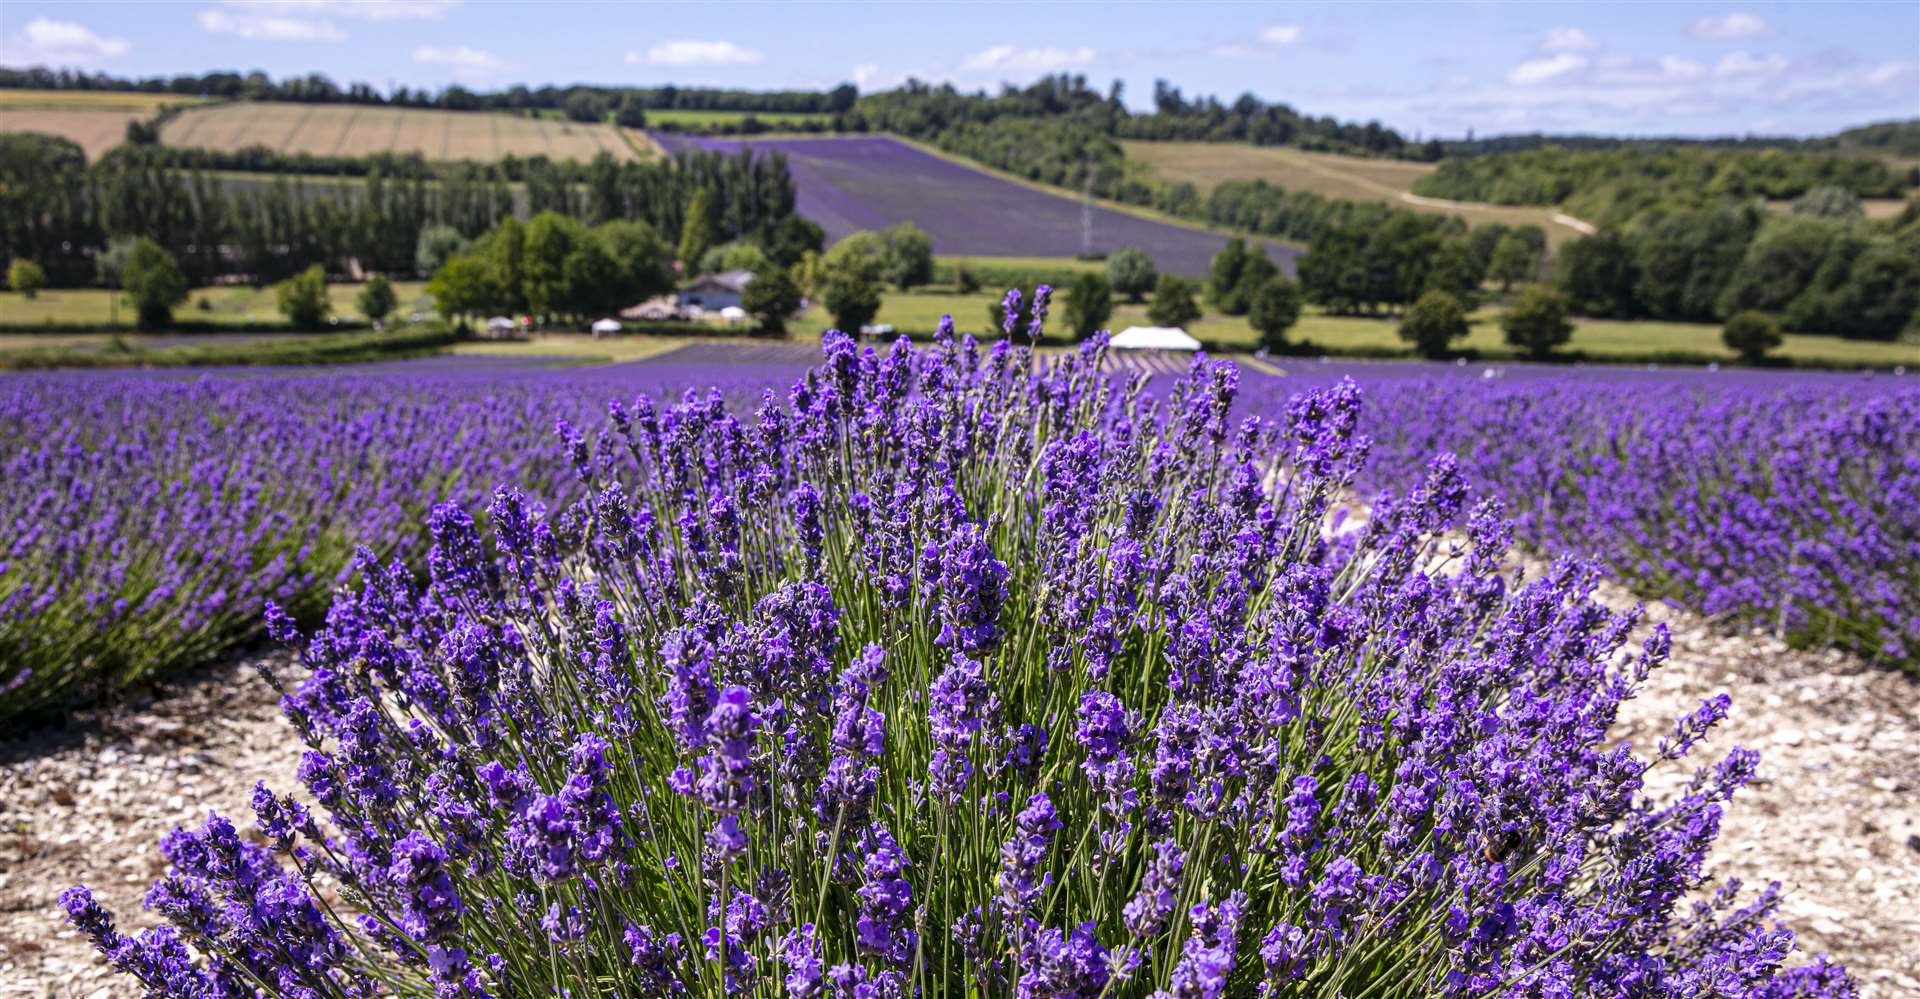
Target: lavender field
{"x": 849, "y": 184}
{"x": 953, "y": 669}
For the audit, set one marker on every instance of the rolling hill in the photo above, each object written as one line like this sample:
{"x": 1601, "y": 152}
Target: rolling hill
{"x": 1205, "y": 165}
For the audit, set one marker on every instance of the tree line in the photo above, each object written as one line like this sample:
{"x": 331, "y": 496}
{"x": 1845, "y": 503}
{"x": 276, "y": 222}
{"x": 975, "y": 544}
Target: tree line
{"x": 1608, "y": 186}
{"x": 320, "y": 89}
{"x": 926, "y": 111}
{"x": 1817, "y": 269}
{"x": 60, "y": 213}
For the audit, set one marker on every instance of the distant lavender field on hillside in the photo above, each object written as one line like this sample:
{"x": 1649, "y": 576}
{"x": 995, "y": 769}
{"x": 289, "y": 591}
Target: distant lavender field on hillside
{"x": 869, "y": 182}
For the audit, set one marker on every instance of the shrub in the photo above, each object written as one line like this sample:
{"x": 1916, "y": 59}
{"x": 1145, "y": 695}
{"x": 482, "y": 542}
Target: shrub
{"x": 1536, "y": 321}
{"x": 1751, "y": 335}
{"x": 437, "y": 245}
{"x": 1131, "y": 273}
{"x": 1173, "y": 303}
{"x": 1089, "y": 305}
{"x": 953, "y": 677}
{"x": 770, "y": 298}
{"x": 377, "y": 299}
{"x": 154, "y": 283}
{"x": 1275, "y": 308}
{"x": 852, "y": 297}
{"x": 1434, "y": 323}
{"x": 26, "y": 277}
{"x": 303, "y": 298}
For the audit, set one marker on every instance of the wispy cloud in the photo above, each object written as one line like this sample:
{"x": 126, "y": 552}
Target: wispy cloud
{"x": 1266, "y": 45}
{"x": 1618, "y": 92}
{"x": 1552, "y": 67}
{"x": 361, "y": 10}
{"x": 1045, "y": 59}
{"x": 1568, "y": 40}
{"x": 263, "y": 26}
{"x": 1281, "y": 34}
{"x": 460, "y": 57}
{"x": 45, "y": 40}
{"x": 691, "y": 52}
{"x": 1735, "y": 25}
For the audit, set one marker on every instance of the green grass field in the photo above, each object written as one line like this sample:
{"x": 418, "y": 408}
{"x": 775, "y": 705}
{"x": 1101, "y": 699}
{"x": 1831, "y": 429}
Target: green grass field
{"x": 235, "y": 305}
{"x": 92, "y": 100}
{"x": 1206, "y": 165}
{"x": 704, "y": 119}
{"x": 919, "y": 311}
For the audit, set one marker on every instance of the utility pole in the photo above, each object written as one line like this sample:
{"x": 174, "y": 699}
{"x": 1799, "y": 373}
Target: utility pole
{"x": 1086, "y": 209}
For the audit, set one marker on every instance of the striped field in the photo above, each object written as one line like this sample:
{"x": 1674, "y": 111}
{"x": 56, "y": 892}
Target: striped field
{"x": 361, "y": 130}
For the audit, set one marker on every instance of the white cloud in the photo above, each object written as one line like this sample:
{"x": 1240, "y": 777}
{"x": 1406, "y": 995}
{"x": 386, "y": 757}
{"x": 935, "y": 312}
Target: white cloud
{"x": 1001, "y": 57}
{"x": 1567, "y": 40}
{"x": 50, "y": 41}
{"x": 1677, "y": 68}
{"x": 266, "y": 27}
{"x": 689, "y": 52}
{"x": 464, "y": 60}
{"x": 1537, "y": 71}
{"x": 864, "y": 74}
{"x": 1746, "y": 64}
{"x": 1280, "y": 34}
{"x": 361, "y": 10}
{"x": 1735, "y": 25}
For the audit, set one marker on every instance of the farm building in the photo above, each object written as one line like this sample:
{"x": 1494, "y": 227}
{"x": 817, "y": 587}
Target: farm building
{"x": 712, "y": 292}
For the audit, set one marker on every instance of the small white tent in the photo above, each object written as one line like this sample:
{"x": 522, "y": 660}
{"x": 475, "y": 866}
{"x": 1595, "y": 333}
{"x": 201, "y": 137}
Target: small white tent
{"x": 501, "y": 327}
{"x": 733, "y": 314}
{"x": 1153, "y": 338}
{"x": 605, "y": 327}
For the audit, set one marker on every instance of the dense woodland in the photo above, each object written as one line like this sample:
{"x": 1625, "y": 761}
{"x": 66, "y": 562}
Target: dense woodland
{"x": 61, "y": 213}
{"x": 1609, "y": 186}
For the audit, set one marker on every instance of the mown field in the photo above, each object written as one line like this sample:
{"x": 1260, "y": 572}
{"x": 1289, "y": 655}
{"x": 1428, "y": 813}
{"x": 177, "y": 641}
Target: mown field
{"x": 96, "y": 119}
{"x": 235, "y": 305}
{"x": 358, "y": 130}
{"x": 1206, "y": 165}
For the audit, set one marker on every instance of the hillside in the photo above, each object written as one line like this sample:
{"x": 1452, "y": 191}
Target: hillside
{"x": 848, "y": 184}
{"x": 360, "y": 130}
{"x": 1205, "y": 165}
{"x": 97, "y": 120}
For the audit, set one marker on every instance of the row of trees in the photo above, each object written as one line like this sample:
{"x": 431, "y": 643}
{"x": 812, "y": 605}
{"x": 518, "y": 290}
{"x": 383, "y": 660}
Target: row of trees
{"x": 1609, "y": 186}
{"x": 1841, "y": 275}
{"x": 555, "y": 266}
{"x": 558, "y": 267}
{"x": 61, "y": 214}
{"x": 926, "y": 111}
{"x": 319, "y": 88}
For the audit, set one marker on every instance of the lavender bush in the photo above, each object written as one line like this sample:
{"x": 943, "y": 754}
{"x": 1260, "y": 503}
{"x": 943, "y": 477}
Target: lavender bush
{"x": 960, "y": 674}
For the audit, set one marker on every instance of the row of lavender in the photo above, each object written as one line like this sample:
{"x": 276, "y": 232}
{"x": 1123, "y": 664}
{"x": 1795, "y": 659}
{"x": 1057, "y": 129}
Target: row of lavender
{"x": 150, "y": 518}
{"x": 1786, "y": 503}
{"x": 961, "y": 675}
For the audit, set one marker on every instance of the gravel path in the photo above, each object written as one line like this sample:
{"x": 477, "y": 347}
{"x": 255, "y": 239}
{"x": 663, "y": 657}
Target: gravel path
{"x": 1835, "y": 814}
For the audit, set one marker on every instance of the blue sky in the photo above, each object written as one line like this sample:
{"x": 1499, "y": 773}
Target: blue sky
{"x": 1647, "y": 68}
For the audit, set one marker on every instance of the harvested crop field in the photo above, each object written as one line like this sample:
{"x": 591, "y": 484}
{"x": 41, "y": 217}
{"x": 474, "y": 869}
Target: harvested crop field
{"x": 870, "y": 182}
{"x": 1206, "y": 165}
{"x": 361, "y": 130}
{"x": 95, "y": 129}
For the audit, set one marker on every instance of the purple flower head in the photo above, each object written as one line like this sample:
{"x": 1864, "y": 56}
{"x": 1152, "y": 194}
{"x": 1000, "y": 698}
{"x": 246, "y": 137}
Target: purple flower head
{"x": 1010, "y": 311}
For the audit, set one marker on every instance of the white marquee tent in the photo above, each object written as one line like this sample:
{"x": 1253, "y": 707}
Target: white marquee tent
{"x": 603, "y": 327}
{"x": 1153, "y": 338}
